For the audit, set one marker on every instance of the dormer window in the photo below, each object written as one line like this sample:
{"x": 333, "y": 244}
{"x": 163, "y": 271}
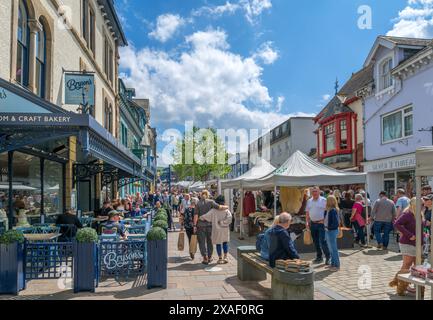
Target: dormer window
{"x": 385, "y": 77}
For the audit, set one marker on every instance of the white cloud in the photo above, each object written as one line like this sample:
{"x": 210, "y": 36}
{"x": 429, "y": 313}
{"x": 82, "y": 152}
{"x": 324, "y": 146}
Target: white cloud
{"x": 206, "y": 83}
{"x": 166, "y": 26}
{"x": 267, "y": 54}
{"x": 280, "y": 103}
{"x": 415, "y": 20}
{"x": 326, "y": 97}
{"x": 250, "y": 8}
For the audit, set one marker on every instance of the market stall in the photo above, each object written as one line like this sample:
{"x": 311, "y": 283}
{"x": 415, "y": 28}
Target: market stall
{"x": 424, "y": 168}
{"x": 260, "y": 170}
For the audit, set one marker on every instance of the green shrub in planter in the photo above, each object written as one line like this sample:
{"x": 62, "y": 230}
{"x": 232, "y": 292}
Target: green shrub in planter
{"x": 11, "y": 237}
{"x": 160, "y": 217}
{"x": 160, "y": 224}
{"x": 156, "y": 234}
{"x": 87, "y": 235}
{"x": 161, "y": 210}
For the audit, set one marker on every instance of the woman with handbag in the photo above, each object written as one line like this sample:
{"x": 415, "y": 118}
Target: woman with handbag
{"x": 332, "y": 224}
{"x": 187, "y": 221}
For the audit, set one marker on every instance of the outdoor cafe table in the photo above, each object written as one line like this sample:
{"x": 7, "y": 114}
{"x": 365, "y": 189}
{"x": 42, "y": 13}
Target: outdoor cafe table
{"x": 42, "y": 237}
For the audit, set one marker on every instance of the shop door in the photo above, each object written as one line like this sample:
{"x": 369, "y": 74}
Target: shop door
{"x": 84, "y": 195}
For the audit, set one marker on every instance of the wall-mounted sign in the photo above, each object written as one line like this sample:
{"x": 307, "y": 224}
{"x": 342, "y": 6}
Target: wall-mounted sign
{"x": 37, "y": 119}
{"x": 79, "y": 89}
{"x": 396, "y": 163}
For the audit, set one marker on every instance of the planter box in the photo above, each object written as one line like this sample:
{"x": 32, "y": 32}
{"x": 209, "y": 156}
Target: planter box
{"x": 157, "y": 259}
{"x": 85, "y": 267}
{"x": 12, "y": 268}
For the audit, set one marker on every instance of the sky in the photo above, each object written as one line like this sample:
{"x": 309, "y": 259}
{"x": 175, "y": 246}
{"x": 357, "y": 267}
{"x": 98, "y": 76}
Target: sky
{"x": 252, "y": 64}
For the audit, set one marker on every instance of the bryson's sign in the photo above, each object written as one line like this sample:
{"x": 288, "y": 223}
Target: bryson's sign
{"x": 79, "y": 88}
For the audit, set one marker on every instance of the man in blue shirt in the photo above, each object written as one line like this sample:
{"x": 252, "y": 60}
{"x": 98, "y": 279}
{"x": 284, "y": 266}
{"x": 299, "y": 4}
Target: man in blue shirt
{"x": 282, "y": 246}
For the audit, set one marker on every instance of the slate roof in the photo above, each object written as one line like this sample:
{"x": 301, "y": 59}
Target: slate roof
{"x": 408, "y": 41}
{"x": 332, "y": 108}
{"x": 358, "y": 81}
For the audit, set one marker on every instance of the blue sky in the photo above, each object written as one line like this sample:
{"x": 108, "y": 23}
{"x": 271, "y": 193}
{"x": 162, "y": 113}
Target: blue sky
{"x": 251, "y": 63}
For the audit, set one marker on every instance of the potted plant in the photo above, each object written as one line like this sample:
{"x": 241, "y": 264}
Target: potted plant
{"x": 12, "y": 262}
{"x": 160, "y": 224}
{"x": 86, "y": 260}
{"x": 160, "y": 216}
{"x": 157, "y": 258}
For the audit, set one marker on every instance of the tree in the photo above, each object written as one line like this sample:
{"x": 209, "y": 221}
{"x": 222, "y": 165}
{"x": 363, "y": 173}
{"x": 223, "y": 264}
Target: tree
{"x": 200, "y": 155}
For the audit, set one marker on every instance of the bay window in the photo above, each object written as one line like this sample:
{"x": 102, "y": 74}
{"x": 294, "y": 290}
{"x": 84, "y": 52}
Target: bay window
{"x": 330, "y": 138}
{"x": 397, "y": 125}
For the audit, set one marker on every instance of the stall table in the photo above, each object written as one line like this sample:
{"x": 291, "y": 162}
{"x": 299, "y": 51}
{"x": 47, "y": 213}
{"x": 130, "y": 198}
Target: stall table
{"x": 42, "y": 237}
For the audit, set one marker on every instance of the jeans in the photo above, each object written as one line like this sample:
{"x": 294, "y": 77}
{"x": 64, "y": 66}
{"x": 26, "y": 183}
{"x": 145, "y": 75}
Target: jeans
{"x": 220, "y": 248}
{"x": 189, "y": 232}
{"x": 318, "y": 235}
{"x": 386, "y": 228}
{"x": 204, "y": 237}
{"x": 360, "y": 235}
{"x": 331, "y": 239}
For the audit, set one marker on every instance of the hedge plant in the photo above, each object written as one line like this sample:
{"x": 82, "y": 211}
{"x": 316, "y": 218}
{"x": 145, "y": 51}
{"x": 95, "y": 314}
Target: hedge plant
{"x": 87, "y": 235}
{"x": 156, "y": 233}
{"x": 12, "y": 236}
{"x": 160, "y": 224}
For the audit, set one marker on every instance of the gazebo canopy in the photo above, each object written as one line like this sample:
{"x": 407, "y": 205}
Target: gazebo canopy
{"x": 262, "y": 169}
{"x": 424, "y": 162}
{"x": 300, "y": 170}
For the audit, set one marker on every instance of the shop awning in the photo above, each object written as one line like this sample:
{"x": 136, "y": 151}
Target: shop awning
{"x": 262, "y": 169}
{"x": 27, "y": 120}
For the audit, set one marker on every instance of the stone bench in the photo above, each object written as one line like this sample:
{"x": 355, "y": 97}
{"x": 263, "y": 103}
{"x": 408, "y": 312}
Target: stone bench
{"x": 285, "y": 285}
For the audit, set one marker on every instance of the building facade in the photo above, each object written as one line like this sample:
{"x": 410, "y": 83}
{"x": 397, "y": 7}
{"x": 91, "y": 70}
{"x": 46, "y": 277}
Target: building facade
{"x": 55, "y": 154}
{"x": 397, "y": 112}
{"x": 340, "y": 136}
{"x": 239, "y": 165}
{"x": 280, "y": 143}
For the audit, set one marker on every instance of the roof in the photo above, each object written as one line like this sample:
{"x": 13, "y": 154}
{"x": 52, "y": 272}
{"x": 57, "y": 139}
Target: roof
{"x": 358, "y": 81}
{"x": 262, "y": 169}
{"x": 301, "y": 171}
{"x": 402, "y": 41}
{"x": 335, "y": 106}
{"x": 108, "y": 7}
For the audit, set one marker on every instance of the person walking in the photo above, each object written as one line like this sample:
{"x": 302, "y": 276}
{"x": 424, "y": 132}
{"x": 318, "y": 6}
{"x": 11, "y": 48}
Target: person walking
{"x": 357, "y": 220}
{"x": 220, "y": 220}
{"x": 402, "y": 202}
{"x": 346, "y": 206}
{"x": 187, "y": 221}
{"x": 203, "y": 229}
{"x": 383, "y": 215}
{"x": 316, "y": 208}
{"x": 406, "y": 225}
{"x": 332, "y": 224}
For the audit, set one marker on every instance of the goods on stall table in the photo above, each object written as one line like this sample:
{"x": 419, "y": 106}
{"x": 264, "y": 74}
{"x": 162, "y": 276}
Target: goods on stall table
{"x": 293, "y": 266}
{"x": 419, "y": 272}
{"x": 430, "y": 274}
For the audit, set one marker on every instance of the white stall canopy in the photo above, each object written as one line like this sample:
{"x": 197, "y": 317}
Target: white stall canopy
{"x": 300, "y": 170}
{"x": 262, "y": 169}
{"x": 424, "y": 162}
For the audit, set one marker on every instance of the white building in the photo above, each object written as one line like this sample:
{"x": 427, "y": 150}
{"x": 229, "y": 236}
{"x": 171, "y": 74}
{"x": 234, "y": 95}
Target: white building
{"x": 397, "y": 112}
{"x": 276, "y": 146}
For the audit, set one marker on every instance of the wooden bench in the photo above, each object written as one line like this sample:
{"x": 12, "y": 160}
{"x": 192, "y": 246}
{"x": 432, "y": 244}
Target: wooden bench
{"x": 285, "y": 285}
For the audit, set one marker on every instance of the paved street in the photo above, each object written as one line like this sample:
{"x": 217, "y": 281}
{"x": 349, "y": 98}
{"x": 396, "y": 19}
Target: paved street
{"x": 188, "y": 280}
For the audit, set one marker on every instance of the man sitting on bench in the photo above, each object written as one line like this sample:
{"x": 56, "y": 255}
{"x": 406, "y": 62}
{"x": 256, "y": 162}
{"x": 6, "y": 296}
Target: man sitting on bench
{"x": 282, "y": 246}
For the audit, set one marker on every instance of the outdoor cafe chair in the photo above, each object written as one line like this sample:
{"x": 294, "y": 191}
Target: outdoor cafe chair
{"x": 86, "y": 221}
{"x": 140, "y": 229}
{"x": 109, "y": 237}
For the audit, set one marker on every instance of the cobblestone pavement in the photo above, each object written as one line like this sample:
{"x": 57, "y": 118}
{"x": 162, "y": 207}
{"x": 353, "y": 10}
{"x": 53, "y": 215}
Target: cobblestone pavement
{"x": 190, "y": 280}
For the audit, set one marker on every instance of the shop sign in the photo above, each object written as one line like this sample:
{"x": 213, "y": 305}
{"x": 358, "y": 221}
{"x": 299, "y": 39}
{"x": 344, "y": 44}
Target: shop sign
{"x": 391, "y": 164}
{"x": 79, "y": 89}
{"x": 41, "y": 119}
{"x": 113, "y": 260}
{"x": 13, "y": 103}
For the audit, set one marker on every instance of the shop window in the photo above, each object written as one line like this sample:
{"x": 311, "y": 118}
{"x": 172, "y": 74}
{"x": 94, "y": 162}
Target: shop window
{"x": 397, "y": 125}
{"x": 4, "y": 188}
{"x": 330, "y": 138}
{"x": 343, "y": 135}
{"x": 41, "y": 50}
{"x": 385, "y": 76}
{"x": 406, "y": 181}
{"x": 53, "y": 188}
{"x": 26, "y": 188}
{"x": 23, "y": 41}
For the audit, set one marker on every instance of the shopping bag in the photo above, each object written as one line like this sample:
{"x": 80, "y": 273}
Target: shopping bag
{"x": 193, "y": 244}
{"x": 307, "y": 237}
{"x": 181, "y": 241}
{"x": 340, "y": 233}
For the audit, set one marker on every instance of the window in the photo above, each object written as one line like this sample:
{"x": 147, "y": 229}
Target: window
{"x": 397, "y": 125}
{"x": 343, "y": 135}
{"x": 22, "y": 72}
{"x": 88, "y": 26}
{"x": 109, "y": 61}
{"x": 40, "y": 62}
{"x": 330, "y": 138}
{"x": 124, "y": 132}
{"x": 385, "y": 75}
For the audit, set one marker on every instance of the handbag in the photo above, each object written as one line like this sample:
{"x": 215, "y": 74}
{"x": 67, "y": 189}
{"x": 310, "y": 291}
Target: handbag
{"x": 307, "y": 237}
{"x": 181, "y": 241}
{"x": 193, "y": 244}
{"x": 340, "y": 233}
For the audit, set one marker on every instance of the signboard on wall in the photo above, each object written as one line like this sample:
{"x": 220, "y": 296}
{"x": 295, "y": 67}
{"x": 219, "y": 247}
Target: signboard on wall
{"x": 79, "y": 88}
{"x": 11, "y": 102}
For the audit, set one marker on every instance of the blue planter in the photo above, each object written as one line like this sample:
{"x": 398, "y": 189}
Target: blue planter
{"x": 157, "y": 259}
{"x": 12, "y": 268}
{"x": 85, "y": 267}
